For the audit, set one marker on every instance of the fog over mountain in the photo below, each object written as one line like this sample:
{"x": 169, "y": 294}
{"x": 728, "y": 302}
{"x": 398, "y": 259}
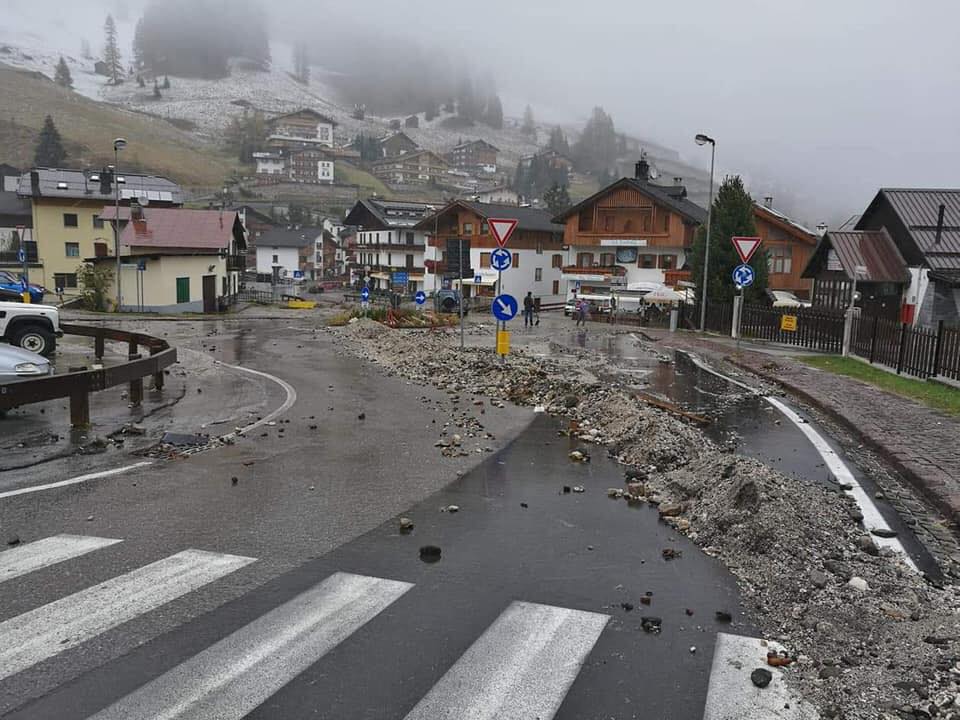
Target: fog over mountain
{"x": 816, "y": 102}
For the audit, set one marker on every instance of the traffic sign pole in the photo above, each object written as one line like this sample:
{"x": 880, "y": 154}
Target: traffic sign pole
{"x": 21, "y": 231}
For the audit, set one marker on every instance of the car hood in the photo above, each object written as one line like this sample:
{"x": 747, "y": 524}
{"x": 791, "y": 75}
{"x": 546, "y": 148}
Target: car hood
{"x": 15, "y": 355}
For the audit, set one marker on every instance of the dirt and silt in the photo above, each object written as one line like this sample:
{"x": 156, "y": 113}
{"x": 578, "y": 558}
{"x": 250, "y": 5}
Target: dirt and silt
{"x": 868, "y": 637}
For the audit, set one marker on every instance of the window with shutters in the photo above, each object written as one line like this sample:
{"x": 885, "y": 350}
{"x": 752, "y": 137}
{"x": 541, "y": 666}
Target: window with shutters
{"x": 556, "y": 261}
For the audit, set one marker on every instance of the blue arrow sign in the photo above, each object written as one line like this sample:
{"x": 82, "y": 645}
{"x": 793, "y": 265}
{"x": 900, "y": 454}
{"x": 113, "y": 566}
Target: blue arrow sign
{"x": 743, "y": 275}
{"x": 500, "y": 259}
{"x": 420, "y": 298}
{"x": 365, "y": 294}
{"x": 504, "y": 307}
{"x": 21, "y": 255}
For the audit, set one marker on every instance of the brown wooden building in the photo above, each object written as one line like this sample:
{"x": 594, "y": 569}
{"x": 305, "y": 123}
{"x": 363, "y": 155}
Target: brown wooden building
{"x": 475, "y": 154}
{"x": 397, "y": 144}
{"x": 633, "y": 234}
{"x": 417, "y": 168}
{"x": 789, "y": 247}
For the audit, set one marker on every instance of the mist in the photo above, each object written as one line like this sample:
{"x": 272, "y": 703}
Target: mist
{"x": 816, "y": 102}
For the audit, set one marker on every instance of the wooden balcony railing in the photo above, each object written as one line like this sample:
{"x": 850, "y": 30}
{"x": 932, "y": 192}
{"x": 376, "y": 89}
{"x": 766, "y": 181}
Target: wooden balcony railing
{"x": 672, "y": 277}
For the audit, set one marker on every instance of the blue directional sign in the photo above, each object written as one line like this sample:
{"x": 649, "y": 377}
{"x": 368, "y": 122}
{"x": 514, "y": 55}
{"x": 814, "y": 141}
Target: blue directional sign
{"x": 21, "y": 255}
{"x": 420, "y": 298}
{"x": 500, "y": 259}
{"x": 478, "y": 279}
{"x": 365, "y": 294}
{"x": 298, "y": 274}
{"x": 400, "y": 278}
{"x": 504, "y": 307}
{"x": 743, "y": 275}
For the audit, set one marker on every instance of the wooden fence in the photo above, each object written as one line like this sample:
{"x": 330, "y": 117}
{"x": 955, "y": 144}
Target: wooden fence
{"x": 918, "y": 351}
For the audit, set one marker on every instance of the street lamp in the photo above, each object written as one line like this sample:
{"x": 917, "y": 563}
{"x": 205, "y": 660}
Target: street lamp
{"x": 118, "y": 145}
{"x": 702, "y": 139}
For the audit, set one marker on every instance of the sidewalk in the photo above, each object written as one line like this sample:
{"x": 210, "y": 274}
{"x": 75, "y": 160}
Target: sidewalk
{"x": 920, "y": 443}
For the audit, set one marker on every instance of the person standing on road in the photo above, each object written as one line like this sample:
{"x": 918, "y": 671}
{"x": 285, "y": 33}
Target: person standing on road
{"x": 583, "y": 312}
{"x": 528, "y": 310}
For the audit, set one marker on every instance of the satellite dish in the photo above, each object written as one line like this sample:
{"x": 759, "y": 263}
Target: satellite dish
{"x": 654, "y": 173}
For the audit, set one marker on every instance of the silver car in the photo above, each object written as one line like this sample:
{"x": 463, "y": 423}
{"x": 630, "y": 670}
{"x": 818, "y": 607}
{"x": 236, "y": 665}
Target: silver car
{"x": 19, "y": 364}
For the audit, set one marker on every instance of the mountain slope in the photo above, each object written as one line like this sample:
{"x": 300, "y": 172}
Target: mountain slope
{"x": 89, "y": 128}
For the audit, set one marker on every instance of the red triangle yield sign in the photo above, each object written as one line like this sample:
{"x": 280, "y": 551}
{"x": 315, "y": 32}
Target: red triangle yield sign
{"x": 746, "y": 247}
{"x": 502, "y": 229}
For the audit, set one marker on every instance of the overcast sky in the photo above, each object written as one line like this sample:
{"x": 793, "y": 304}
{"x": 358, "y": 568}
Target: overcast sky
{"x": 825, "y": 99}
{"x": 831, "y": 98}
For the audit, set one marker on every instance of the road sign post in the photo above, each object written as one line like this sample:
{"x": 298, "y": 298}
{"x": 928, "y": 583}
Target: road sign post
{"x": 500, "y": 260}
{"x": 22, "y": 257}
{"x": 745, "y": 247}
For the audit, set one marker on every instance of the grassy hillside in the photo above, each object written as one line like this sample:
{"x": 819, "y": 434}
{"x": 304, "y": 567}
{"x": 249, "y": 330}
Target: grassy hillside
{"x": 88, "y": 129}
{"x": 369, "y": 184}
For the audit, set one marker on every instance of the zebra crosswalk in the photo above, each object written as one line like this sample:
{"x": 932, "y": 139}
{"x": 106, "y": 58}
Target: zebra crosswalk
{"x": 521, "y": 666}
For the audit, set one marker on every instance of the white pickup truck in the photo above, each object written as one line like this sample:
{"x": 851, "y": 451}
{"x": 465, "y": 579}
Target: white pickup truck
{"x": 32, "y": 327}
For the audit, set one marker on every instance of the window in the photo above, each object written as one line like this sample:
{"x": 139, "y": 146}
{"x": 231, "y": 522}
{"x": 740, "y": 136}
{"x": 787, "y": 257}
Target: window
{"x": 539, "y": 247}
{"x": 608, "y": 223}
{"x": 468, "y": 228}
{"x": 648, "y": 261}
{"x": 410, "y": 238}
{"x": 646, "y": 220}
{"x": 607, "y": 259}
{"x": 627, "y": 255}
{"x": 585, "y": 222}
{"x": 556, "y": 287}
{"x": 780, "y": 258}
{"x": 584, "y": 259}
{"x": 666, "y": 222}
{"x": 556, "y": 261}
{"x": 389, "y": 238}
{"x": 668, "y": 262}
{"x": 484, "y": 228}
{"x": 65, "y": 280}
{"x": 97, "y": 222}
{"x": 276, "y": 259}
{"x": 409, "y": 261}
{"x": 538, "y": 275}
{"x": 484, "y": 260}
{"x": 70, "y": 220}
{"x": 516, "y": 260}
{"x": 72, "y": 249}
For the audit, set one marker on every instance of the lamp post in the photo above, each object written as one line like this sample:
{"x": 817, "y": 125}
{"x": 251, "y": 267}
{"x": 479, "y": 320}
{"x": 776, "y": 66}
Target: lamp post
{"x": 702, "y": 139}
{"x": 118, "y": 145}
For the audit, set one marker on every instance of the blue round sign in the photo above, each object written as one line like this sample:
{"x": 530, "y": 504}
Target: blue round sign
{"x": 500, "y": 259}
{"x": 420, "y": 298}
{"x": 365, "y": 294}
{"x": 743, "y": 275}
{"x": 504, "y": 307}
{"x": 21, "y": 255}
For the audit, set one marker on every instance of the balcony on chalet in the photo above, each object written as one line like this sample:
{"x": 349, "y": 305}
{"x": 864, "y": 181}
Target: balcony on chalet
{"x": 614, "y": 274}
{"x": 236, "y": 263}
{"x": 672, "y": 278}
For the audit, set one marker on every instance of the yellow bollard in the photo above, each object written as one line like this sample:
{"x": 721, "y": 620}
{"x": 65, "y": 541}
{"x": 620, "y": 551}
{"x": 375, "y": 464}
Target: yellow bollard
{"x": 25, "y": 295}
{"x": 503, "y": 342}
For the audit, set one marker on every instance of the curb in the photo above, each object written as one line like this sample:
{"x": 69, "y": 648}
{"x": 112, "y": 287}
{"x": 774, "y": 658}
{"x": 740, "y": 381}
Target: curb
{"x": 942, "y": 503}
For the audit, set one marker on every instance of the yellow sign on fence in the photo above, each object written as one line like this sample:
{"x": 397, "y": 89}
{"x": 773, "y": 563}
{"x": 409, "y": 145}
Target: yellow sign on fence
{"x": 788, "y": 323}
{"x": 503, "y": 342}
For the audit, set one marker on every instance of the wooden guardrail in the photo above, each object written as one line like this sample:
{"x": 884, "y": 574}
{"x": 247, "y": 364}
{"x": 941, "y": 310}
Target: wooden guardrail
{"x": 78, "y": 385}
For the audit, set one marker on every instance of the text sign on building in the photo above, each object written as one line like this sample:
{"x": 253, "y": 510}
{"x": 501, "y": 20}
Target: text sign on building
{"x": 745, "y": 247}
{"x": 502, "y": 229}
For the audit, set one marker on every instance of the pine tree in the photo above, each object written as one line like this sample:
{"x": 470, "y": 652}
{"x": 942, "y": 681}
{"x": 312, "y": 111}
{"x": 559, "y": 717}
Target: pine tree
{"x": 558, "y": 141}
{"x": 62, "y": 75}
{"x": 732, "y": 216}
{"x": 596, "y": 150}
{"x": 111, "y": 51}
{"x": 529, "y": 127}
{"x": 493, "y": 114}
{"x": 166, "y": 82}
{"x": 49, "y": 151}
{"x": 139, "y": 54}
{"x": 557, "y": 199}
{"x": 156, "y": 90}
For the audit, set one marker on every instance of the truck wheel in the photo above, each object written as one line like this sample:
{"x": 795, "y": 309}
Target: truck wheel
{"x": 35, "y": 338}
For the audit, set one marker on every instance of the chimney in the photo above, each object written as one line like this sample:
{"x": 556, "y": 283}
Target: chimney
{"x": 35, "y": 183}
{"x": 642, "y": 170}
{"x": 822, "y": 229}
{"x": 936, "y": 238}
{"x": 768, "y": 201}
{"x": 678, "y": 181}
{"x": 136, "y": 210}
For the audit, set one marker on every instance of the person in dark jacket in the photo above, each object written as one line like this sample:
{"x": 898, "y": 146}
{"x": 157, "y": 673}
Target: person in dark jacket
{"x": 528, "y": 310}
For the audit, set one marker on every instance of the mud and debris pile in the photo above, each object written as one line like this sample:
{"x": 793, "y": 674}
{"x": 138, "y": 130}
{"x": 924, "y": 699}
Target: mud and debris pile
{"x": 868, "y": 637}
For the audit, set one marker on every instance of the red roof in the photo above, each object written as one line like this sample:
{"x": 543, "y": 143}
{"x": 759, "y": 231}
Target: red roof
{"x": 176, "y": 228}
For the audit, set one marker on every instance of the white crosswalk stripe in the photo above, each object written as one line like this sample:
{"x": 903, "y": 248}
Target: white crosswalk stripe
{"x": 49, "y": 551}
{"x": 34, "y": 636}
{"x": 232, "y": 677}
{"x": 520, "y": 668}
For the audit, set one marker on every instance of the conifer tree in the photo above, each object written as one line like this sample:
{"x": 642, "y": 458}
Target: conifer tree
{"x": 62, "y": 75}
{"x": 49, "y": 151}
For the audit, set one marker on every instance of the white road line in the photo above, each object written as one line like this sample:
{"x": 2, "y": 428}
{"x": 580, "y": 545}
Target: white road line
{"x": 520, "y": 668}
{"x": 731, "y": 695}
{"x": 872, "y": 519}
{"x": 48, "y": 551}
{"x": 231, "y": 678}
{"x": 46, "y": 631}
{"x": 74, "y": 481}
{"x": 287, "y": 404}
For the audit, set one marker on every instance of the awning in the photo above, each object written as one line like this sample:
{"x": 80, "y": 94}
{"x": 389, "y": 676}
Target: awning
{"x": 663, "y": 294}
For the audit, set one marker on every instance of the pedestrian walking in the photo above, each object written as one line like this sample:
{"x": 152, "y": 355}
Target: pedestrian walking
{"x": 536, "y": 311}
{"x": 583, "y": 312}
{"x": 528, "y": 310}
{"x": 613, "y": 309}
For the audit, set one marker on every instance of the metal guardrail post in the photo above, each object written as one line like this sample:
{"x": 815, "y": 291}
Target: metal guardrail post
{"x": 98, "y": 346}
{"x": 158, "y": 377}
{"x": 136, "y": 385}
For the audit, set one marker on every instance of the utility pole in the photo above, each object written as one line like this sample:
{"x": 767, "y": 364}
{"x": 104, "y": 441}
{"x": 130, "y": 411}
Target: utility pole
{"x": 702, "y": 139}
{"x": 118, "y": 145}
